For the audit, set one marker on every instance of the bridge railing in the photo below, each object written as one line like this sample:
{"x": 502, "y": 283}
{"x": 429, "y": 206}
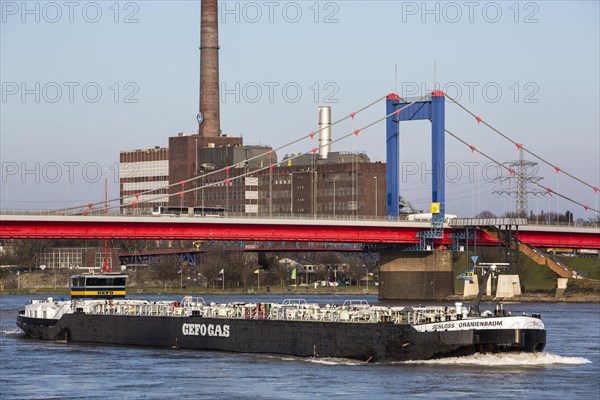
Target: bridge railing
{"x": 278, "y": 216}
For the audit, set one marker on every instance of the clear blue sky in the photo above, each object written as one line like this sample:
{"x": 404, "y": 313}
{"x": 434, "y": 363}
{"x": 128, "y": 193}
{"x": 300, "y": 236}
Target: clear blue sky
{"x": 538, "y": 62}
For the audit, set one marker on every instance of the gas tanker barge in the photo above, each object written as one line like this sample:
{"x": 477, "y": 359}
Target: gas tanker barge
{"x": 98, "y": 312}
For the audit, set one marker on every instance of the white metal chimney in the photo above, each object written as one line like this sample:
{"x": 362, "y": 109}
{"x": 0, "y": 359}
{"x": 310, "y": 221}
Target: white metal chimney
{"x": 325, "y": 131}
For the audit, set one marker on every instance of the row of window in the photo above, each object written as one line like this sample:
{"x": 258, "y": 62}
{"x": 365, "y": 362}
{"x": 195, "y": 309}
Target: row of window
{"x": 248, "y": 195}
{"x": 340, "y": 206}
{"x": 61, "y": 258}
{"x": 144, "y": 169}
{"x": 337, "y": 177}
{"x": 213, "y": 183}
{"x": 148, "y": 185}
{"x": 98, "y": 281}
{"x": 340, "y": 192}
{"x": 147, "y": 198}
{"x": 70, "y": 259}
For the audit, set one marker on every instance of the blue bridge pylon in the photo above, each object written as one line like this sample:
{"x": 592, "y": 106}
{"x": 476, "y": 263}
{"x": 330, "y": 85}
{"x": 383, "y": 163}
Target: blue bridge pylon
{"x": 433, "y": 109}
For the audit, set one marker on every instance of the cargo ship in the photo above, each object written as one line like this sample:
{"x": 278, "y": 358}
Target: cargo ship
{"x": 354, "y": 329}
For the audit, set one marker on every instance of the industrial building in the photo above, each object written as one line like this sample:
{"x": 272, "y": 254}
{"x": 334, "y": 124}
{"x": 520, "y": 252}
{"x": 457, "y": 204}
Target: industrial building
{"x": 141, "y": 171}
{"x": 326, "y": 183}
{"x": 345, "y": 184}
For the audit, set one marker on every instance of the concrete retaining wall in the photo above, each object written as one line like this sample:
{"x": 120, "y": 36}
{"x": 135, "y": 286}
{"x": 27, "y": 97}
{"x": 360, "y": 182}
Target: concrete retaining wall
{"x": 415, "y": 275}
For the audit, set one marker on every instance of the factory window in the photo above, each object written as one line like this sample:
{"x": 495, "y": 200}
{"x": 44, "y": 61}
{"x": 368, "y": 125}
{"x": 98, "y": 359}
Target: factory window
{"x": 61, "y": 258}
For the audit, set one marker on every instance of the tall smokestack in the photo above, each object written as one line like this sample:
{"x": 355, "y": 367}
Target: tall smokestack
{"x": 209, "y": 69}
{"x": 325, "y": 133}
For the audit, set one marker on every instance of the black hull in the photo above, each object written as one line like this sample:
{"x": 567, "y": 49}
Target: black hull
{"x": 361, "y": 341}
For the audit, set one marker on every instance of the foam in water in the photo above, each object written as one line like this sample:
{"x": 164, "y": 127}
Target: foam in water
{"x": 489, "y": 360}
{"x": 320, "y": 360}
{"x": 334, "y": 361}
{"x": 10, "y": 332}
{"x": 506, "y": 359}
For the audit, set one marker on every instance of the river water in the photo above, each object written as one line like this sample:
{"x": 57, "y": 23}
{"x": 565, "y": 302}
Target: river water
{"x": 568, "y": 369}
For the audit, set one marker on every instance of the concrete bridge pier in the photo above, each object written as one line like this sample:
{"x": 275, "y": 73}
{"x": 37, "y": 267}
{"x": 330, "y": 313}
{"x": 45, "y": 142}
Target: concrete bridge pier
{"x": 405, "y": 275}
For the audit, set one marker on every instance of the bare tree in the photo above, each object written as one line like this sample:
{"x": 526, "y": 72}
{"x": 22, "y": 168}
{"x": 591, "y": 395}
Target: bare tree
{"x": 168, "y": 268}
{"x": 25, "y": 252}
{"x": 222, "y": 257}
{"x": 133, "y": 246}
{"x": 247, "y": 273}
{"x": 356, "y": 268}
{"x": 486, "y": 214}
{"x": 281, "y": 273}
{"x": 331, "y": 263}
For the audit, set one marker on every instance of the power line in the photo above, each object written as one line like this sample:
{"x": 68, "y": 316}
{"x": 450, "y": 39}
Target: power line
{"x": 241, "y": 163}
{"x": 226, "y": 181}
{"x": 511, "y": 172}
{"x": 520, "y": 146}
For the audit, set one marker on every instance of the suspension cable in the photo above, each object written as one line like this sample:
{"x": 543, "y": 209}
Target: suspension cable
{"x": 268, "y": 153}
{"x": 520, "y": 146}
{"x": 511, "y": 172}
{"x": 226, "y": 181}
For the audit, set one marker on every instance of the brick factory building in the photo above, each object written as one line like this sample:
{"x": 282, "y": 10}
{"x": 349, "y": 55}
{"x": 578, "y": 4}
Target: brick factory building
{"x": 324, "y": 184}
{"x": 343, "y": 185}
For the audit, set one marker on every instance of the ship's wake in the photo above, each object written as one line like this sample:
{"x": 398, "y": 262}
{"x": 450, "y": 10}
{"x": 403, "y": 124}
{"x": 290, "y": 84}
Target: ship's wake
{"x": 10, "y": 331}
{"x": 506, "y": 359}
{"x": 488, "y": 360}
{"x": 334, "y": 361}
{"x": 321, "y": 360}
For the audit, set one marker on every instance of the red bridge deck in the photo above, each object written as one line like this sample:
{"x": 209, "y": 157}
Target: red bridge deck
{"x": 346, "y": 231}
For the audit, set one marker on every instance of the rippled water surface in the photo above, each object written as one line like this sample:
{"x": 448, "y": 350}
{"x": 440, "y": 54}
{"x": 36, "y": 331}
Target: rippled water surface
{"x": 568, "y": 369}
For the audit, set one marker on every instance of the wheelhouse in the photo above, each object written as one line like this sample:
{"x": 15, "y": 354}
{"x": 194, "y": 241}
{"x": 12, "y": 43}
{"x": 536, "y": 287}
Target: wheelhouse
{"x": 101, "y": 286}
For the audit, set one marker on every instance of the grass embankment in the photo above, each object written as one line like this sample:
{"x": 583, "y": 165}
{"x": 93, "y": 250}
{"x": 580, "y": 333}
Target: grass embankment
{"x": 589, "y": 267}
{"x": 539, "y": 278}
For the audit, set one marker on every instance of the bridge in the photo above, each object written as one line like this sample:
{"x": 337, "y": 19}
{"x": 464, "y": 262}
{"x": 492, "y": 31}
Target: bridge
{"x": 267, "y": 229}
{"x": 409, "y": 266}
{"x": 94, "y": 220}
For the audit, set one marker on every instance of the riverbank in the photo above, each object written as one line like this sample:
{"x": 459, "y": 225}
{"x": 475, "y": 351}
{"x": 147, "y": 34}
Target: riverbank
{"x": 578, "y": 290}
{"x": 294, "y": 292}
{"x": 278, "y": 290}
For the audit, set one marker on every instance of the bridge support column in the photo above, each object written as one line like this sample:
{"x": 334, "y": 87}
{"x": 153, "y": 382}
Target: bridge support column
{"x": 419, "y": 275}
{"x": 432, "y": 109}
{"x": 392, "y": 156}
{"x": 438, "y": 158}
